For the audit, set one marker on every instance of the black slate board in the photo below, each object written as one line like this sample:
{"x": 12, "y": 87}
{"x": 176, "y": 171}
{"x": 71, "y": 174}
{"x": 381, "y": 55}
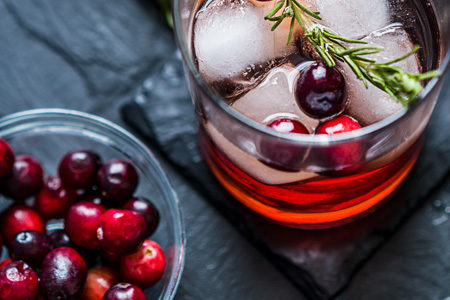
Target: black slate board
{"x": 321, "y": 263}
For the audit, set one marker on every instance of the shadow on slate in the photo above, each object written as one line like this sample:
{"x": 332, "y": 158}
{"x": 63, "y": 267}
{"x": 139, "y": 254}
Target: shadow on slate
{"x": 321, "y": 263}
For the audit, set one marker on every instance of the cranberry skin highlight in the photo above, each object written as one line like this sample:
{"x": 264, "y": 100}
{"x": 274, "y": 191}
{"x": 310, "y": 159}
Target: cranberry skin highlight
{"x": 321, "y": 91}
{"x": 98, "y": 281}
{"x": 117, "y": 181}
{"x": 78, "y": 169}
{"x": 18, "y": 218}
{"x": 121, "y": 231}
{"x": 82, "y": 222}
{"x": 25, "y": 180}
{"x": 125, "y": 291}
{"x": 6, "y": 158}
{"x": 18, "y": 281}
{"x": 31, "y": 247}
{"x": 144, "y": 267}
{"x": 147, "y": 209}
{"x": 54, "y": 200}
{"x": 63, "y": 274}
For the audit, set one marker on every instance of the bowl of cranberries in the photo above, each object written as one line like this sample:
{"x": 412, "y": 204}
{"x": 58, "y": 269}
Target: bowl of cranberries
{"x": 86, "y": 212}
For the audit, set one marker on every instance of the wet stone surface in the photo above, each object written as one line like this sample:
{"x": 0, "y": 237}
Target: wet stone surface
{"x": 95, "y": 56}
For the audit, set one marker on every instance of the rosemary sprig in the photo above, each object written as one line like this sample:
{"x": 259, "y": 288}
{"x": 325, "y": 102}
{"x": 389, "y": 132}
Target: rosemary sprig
{"x": 402, "y": 86}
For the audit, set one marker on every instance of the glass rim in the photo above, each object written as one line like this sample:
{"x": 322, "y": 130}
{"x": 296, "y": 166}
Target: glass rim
{"x": 309, "y": 139}
{"x": 93, "y": 120}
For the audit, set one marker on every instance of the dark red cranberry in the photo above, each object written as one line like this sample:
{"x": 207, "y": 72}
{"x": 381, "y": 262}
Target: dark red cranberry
{"x": 147, "y": 209}
{"x": 18, "y": 281}
{"x": 125, "y": 291}
{"x": 117, "y": 180}
{"x": 63, "y": 273}
{"x": 26, "y": 179}
{"x": 31, "y": 247}
{"x": 321, "y": 91}
{"x": 346, "y": 155}
{"x": 98, "y": 281}
{"x": 5, "y": 262}
{"x": 59, "y": 238}
{"x": 283, "y": 156}
{"x": 18, "y": 218}
{"x": 54, "y": 200}
{"x": 6, "y": 158}
{"x": 121, "y": 231}
{"x": 78, "y": 169}
{"x": 144, "y": 267}
{"x": 82, "y": 222}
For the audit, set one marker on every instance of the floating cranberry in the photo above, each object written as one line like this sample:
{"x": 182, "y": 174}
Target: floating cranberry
{"x": 321, "y": 91}
{"x": 345, "y": 156}
{"x": 31, "y": 247}
{"x": 18, "y": 281}
{"x": 98, "y": 281}
{"x": 54, "y": 200}
{"x": 144, "y": 267}
{"x": 125, "y": 291}
{"x": 82, "y": 222}
{"x": 78, "y": 169}
{"x": 25, "y": 180}
{"x": 18, "y": 218}
{"x": 121, "y": 231}
{"x": 6, "y": 158}
{"x": 147, "y": 209}
{"x": 5, "y": 262}
{"x": 283, "y": 156}
{"x": 117, "y": 180}
{"x": 63, "y": 273}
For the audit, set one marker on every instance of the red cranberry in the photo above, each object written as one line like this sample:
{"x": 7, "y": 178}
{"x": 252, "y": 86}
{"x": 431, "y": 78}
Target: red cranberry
{"x": 321, "y": 91}
{"x": 144, "y": 267}
{"x": 25, "y": 180}
{"x": 82, "y": 222}
{"x": 18, "y": 281}
{"x": 117, "y": 180}
{"x": 147, "y": 209}
{"x": 63, "y": 273}
{"x": 78, "y": 169}
{"x": 59, "y": 238}
{"x": 121, "y": 231}
{"x": 6, "y": 158}
{"x": 31, "y": 247}
{"x": 5, "y": 262}
{"x": 281, "y": 155}
{"x": 98, "y": 281}
{"x": 18, "y": 218}
{"x": 344, "y": 155}
{"x": 54, "y": 200}
{"x": 125, "y": 291}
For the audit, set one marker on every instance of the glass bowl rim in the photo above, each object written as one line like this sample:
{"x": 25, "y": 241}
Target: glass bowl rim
{"x": 82, "y": 117}
{"x": 301, "y": 139}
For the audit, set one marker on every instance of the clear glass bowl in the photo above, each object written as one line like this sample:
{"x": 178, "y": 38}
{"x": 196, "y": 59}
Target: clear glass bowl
{"x": 47, "y": 134}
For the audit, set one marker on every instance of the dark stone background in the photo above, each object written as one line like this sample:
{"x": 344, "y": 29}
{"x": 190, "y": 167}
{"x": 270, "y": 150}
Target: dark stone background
{"x": 94, "y": 55}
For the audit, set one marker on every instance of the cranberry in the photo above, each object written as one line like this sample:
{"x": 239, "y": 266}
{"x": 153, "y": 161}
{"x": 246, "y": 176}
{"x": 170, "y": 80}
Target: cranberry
{"x": 25, "y": 180}
{"x": 121, "y": 231}
{"x": 18, "y": 281}
{"x": 342, "y": 156}
{"x": 321, "y": 91}
{"x": 78, "y": 169}
{"x": 31, "y": 247}
{"x": 98, "y": 281}
{"x": 63, "y": 273}
{"x": 82, "y": 222}
{"x": 117, "y": 180}
{"x": 6, "y": 158}
{"x": 5, "y": 262}
{"x": 144, "y": 267}
{"x": 54, "y": 200}
{"x": 281, "y": 155}
{"x": 18, "y": 218}
{"x": 59, "y": 238}
{"x": 125, "y": 291}
{"x": 147, "y": 209}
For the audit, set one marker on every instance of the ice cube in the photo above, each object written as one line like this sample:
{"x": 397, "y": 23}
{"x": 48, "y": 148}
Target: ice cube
{"x": 230, "y": 35}
{"x": 274, "y": 96}
{"x": 372, "y": 105}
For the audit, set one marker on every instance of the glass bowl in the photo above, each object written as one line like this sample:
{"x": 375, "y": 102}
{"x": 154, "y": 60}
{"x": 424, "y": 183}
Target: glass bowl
{"x": 47, "y": 134}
